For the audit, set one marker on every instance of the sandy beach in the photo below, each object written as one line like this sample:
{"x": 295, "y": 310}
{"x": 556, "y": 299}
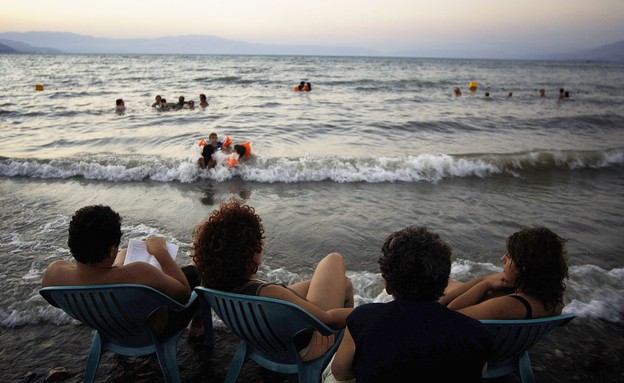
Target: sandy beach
{"x": 559, "y": 358}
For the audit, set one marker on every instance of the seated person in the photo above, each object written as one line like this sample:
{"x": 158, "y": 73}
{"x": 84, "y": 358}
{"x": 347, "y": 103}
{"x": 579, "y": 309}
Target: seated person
{"x": 94, "y": 237}
{"x": 530, "y": 286}
{"x": 227, "y": 249}
{"x": 413, "y": 335}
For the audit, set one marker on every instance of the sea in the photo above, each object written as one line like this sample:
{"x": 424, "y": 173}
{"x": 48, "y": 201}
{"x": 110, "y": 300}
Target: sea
{"x": 377, "y": 144}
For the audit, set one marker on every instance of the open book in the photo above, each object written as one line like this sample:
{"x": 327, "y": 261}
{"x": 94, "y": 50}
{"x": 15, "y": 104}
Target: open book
{"x": 137, "y": 252}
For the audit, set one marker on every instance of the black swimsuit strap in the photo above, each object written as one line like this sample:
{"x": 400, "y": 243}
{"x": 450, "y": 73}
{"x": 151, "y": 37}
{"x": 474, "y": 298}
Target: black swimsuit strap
{"x": 526, "y": 304}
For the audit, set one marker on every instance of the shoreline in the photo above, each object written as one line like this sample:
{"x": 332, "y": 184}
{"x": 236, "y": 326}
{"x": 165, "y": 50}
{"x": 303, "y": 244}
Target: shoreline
{"x": 582, "y": 351}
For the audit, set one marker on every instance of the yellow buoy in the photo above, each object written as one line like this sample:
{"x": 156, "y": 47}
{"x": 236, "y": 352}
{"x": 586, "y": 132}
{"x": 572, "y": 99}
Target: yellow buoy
{"x": 473, "y": 85}
{"x": 39, "y": 87}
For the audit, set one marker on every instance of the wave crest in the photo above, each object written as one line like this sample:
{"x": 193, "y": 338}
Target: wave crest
{"x": 420, "y": 168}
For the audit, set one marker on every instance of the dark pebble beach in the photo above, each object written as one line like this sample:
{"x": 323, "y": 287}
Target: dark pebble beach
{"x": 578, "y": 352}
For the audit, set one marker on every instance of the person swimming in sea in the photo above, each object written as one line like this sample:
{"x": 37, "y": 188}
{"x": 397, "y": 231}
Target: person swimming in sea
{"x": 207, "y": 161}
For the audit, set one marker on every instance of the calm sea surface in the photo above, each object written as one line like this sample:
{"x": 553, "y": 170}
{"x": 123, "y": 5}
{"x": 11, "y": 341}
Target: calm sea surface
{"x": 379, "y": 144}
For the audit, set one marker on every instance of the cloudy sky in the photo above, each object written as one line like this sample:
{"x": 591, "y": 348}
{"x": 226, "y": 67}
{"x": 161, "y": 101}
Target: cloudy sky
{"x": 487, "y": 27}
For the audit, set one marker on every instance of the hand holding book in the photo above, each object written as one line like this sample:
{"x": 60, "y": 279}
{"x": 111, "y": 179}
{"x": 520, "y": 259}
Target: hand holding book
{"x": 140, "y": 251}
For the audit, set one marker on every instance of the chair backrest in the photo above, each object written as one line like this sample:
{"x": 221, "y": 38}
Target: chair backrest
{"x": 268, "y": 325}
{"x": 514, "y": 337}
{"x": 119, "y": 312}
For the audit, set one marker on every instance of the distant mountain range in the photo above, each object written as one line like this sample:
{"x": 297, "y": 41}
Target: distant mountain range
{"x": 612, "y": 52}
{"x": 65, "y": 42}
{"x": 71, "y": 43}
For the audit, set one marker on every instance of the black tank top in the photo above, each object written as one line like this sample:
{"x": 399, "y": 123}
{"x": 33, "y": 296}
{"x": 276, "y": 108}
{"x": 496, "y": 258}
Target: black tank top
{"x": 253, "y": 287}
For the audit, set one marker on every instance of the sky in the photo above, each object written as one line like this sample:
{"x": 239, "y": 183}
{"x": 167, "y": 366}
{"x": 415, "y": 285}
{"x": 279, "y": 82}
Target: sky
{"x": 487, "y": 27}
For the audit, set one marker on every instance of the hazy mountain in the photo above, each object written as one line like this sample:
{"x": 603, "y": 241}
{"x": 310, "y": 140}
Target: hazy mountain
{"x": 190, "y": 44}
{"x": 611, "y": 52}
{"x": 7, "y": 49}
{"x": 65, "y": 42}
{"x": 21, "y": 47}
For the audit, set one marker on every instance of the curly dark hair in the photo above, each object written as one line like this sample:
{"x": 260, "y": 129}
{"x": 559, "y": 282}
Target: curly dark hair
{"x": 92, "y": 231}
{"x": 224, "y": 246}
{"x": 416, "y": 264}
{"x": 540, "y": 257}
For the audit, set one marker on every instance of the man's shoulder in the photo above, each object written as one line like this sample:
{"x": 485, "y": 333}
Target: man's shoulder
{"x": 57, "y": 273}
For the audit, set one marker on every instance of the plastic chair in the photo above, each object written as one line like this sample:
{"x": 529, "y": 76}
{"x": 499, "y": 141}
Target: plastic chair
{"x": 267, "y": 328}
{"x": 120, "y": 315}
{"x": 513, "y": 339}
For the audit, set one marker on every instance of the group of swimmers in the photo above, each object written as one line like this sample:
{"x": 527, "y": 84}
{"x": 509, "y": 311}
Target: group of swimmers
{"x": 220, "y": 151}
{"x": 541, "y": 93}
{"x": 162, "y": 104}
{"x": 303, "y": 87}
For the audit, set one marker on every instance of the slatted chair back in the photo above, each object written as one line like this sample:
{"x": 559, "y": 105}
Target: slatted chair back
{"x": 267, "y": 329}
{"x": 120, "y": 314}
{"x": 513, "y": 339}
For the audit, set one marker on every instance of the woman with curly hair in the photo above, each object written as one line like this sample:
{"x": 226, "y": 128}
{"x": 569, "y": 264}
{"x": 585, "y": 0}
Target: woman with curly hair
{"x": 227, "y": 250}
{"x": 530, "y": 286}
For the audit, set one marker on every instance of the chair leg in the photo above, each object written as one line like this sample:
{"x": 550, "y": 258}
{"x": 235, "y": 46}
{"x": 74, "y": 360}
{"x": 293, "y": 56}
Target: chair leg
{"x": 206, "y": 318}
{"x": 237, "y": 363}
{"x": 525, "y": 370}
{"x": 312, "y": 371}
{"x": 93, "y": 360}
{"x": 310, "y": 374}
{"x": 166, "y": 352}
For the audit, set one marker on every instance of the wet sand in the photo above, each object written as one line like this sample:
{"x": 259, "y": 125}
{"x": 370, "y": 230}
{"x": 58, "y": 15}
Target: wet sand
{"x": 579, "y": 352}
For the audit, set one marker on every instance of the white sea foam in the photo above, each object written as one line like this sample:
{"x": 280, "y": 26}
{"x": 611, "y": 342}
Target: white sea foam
{"x": 341, "y": 169}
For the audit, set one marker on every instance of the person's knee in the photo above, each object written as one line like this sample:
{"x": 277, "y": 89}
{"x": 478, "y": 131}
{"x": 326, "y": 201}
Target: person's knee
{"x": 335, "y": 258}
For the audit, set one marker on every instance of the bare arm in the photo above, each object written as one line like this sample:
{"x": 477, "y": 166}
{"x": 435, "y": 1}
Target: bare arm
{"x": 120, "y": 258}
{"x": 175, "y": 285}
{"x": 477, "y": 292}
{"x": 453, "y": 293}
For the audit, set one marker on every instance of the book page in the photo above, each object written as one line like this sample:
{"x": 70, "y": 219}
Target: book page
{"x": 137, "y": 252}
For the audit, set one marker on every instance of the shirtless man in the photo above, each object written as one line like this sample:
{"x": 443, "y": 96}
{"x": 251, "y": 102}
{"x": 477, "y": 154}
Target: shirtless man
{"x": 94, "y": 237}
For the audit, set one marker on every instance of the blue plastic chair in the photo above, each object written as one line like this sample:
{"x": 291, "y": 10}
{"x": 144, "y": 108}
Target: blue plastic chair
{"x": 120, "y": 315}
{"x": 513, "y": 339}
{"x": 267, "y": 328}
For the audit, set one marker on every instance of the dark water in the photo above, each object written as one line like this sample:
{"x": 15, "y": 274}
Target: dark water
{"x": 380, "y": 143}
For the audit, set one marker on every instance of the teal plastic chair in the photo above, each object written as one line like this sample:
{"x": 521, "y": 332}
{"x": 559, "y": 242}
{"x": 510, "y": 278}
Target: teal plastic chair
{"x": 267, "y": 328}
{"x": 512, "y": 341}
{"x": 120, "y": 313}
